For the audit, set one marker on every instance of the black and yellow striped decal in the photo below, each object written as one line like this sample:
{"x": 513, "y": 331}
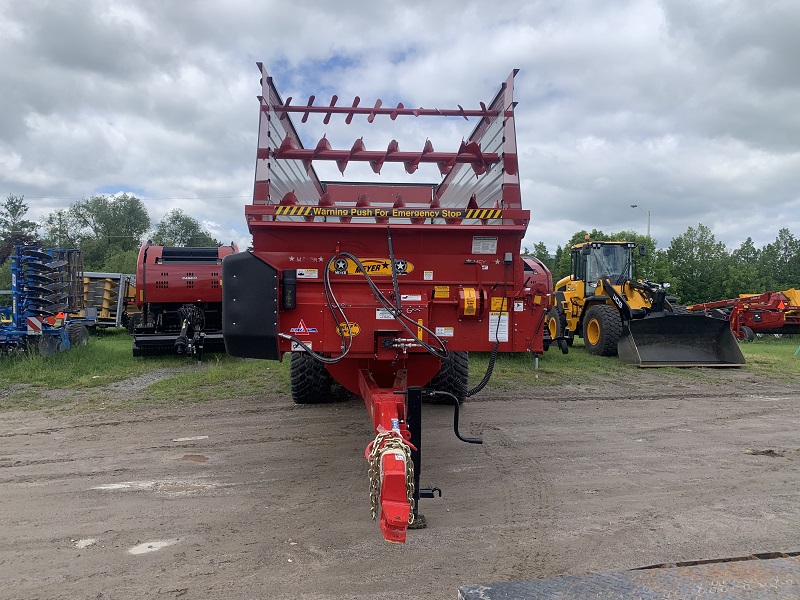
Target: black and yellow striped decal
{"x": 484, "y": 213}
{"x": 294, "y": 211}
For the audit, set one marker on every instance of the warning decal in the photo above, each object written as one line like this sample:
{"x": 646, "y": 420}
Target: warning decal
{"x": 308, "y": 210}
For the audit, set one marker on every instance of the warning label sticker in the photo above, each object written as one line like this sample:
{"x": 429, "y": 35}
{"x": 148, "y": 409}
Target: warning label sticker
{"x": 441, "y": 291}
{"x": 484, "y": 245}
{"x": 498, "y": 326}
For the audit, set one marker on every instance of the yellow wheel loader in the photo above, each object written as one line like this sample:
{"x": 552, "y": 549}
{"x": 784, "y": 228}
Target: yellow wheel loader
{"x": 615, "y": 314}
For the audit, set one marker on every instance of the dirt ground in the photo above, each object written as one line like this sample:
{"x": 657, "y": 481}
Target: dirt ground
{"x": 258, "y": 498}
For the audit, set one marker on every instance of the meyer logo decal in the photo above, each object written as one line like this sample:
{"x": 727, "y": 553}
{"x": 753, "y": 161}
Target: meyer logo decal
{"x": 372, "y": 266}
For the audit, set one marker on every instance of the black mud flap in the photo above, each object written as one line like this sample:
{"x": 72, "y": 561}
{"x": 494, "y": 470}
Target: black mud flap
{"x": 249, "y": 307}
{"x": 670, "y": 340}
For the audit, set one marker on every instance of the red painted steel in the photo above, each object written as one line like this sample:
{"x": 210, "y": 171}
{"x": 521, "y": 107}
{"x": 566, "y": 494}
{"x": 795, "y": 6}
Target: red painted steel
{"x": 159, "y": 281}
{"x": 770, "y": 312}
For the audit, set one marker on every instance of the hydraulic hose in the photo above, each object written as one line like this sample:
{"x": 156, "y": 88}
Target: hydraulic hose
{"x": 493, "y": 355}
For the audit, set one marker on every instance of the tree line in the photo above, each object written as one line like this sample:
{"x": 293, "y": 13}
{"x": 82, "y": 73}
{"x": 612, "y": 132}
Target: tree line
{"x": 109, "y": 230}
{"x": 697, "y": 266}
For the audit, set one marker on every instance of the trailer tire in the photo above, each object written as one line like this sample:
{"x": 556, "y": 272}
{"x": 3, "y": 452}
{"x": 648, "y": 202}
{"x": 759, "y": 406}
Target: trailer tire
{"x": 310, "y": 380}
{"x": 747, "y": 333}
{"x": 602, "y": 328}
{"x": 453, "y": 377}
{"x": 78, "y": 334}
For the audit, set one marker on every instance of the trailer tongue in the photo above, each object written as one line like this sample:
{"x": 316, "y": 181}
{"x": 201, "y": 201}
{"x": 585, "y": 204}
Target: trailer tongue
{"x": 385, "y": 288}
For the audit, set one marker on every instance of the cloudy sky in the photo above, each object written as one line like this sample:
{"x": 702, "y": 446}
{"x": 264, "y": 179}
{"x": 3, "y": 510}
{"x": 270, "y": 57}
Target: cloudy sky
{"x": 688, "y": 109}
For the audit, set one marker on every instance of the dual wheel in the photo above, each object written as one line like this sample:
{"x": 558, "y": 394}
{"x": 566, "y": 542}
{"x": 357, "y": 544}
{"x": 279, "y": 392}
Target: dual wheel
{"x": 311, "y": 383}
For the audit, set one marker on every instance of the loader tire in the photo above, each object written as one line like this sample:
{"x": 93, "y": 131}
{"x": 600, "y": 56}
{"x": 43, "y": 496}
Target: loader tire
{"x": 602, "y": 328}
{"x": 453, "y": 377}
{"x": 78, "y": 334}
{"x": 556, "y": 322}
{"x": 310, "y": 380}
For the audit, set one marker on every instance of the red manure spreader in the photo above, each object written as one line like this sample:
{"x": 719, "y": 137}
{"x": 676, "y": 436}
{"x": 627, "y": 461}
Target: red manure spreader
{"x": 179, "y": 294}
{"x": 386, "y": 287}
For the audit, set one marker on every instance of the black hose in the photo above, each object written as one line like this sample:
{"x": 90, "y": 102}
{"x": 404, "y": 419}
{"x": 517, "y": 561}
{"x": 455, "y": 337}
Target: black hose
{"x": 493, "y": 356}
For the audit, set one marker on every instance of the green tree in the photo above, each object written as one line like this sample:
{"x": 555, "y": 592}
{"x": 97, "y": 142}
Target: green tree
{"x": 179, "y": 229}
{"x": 100, "y": 226}
{"x": 14, "y": 227}
{"x": 121, "y": 262}
{"x": 699, "y": 264}
{"x": 5, "y": 282}
{"x": 787, "y": 263}
{"x": 743, "y": 275}
{"x": 59, "y": 231}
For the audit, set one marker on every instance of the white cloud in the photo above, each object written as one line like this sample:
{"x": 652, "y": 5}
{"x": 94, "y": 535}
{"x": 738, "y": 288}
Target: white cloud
{"x": 687, "y": 109}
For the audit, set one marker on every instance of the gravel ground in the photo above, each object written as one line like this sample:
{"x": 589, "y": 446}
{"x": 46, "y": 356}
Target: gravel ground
{"x": 259, "y": 498}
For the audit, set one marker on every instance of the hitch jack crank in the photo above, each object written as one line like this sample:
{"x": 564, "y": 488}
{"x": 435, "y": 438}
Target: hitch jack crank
{"x": 414, "y": 398}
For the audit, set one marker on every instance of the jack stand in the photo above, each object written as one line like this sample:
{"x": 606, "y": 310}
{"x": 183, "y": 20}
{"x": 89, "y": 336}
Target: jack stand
{"x": 414, "y": 415}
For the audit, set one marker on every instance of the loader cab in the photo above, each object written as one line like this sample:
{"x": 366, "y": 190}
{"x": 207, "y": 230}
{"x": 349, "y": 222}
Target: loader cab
{"x": 595, "y": 260}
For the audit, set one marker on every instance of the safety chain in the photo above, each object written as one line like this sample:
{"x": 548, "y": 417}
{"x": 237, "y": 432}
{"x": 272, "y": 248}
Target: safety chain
{"x": 384, "y": 442}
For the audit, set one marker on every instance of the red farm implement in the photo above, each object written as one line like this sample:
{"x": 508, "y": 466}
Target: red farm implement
{"x": 178, "y": 291}
{"x": 749, "y": 314}
{"x": 385, "y": 288}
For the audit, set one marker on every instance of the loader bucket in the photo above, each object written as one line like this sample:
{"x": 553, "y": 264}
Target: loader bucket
{"x": 670, "y": 340}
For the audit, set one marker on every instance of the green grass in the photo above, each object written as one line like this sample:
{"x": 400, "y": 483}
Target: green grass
{"x": 31, "y": 379}
{"x": 221, "y": 377}
{"x": 108, "y": 358}
{"x": 105, "y": 359}
{"x": 773, "y": 356}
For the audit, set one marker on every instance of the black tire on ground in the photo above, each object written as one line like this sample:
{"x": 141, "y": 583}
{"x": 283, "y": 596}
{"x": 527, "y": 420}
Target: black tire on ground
{"x": 310, "y": 380}
{"x": 453, "y": 377}
{"x": 133, "y": 321}
{"x": 556, "y": 322}
{"x": 602, "y": 328}
{"x": 747, "y": 334}
{"x": 78, "y": 334}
